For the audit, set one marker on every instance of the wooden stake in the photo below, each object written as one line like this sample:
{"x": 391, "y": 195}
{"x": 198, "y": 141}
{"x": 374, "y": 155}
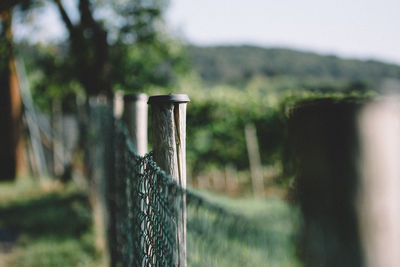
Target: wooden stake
{"x": 58, "y": 146}
{"x": 135, "y": 117}
{"x": 254, "y": 159}
{"x": 169, "y": 145}
{"x": 378, "y": 199}
{"x": 230, "y": 178}
{"x": 101, "y": 164}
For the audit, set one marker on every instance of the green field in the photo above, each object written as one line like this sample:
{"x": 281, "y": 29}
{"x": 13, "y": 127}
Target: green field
{"x": 52, "y": 227}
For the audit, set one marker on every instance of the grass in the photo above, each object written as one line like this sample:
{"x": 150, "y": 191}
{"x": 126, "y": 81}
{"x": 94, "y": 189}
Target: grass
{"x": 263, "y": 235}
{"x": 52, "y": 227}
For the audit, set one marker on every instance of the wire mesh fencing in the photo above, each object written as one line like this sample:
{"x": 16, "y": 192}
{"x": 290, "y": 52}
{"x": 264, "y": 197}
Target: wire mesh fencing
{"x": 146, "y": 202}
{"x": 146, "y": 214}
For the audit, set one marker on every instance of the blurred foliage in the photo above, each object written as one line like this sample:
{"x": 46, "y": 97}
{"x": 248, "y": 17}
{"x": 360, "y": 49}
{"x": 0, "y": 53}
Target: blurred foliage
{"x": 229, "y": 86}
{"x": 110, "y": 45}
{"x": 49, "y": 74}
{"x": 20, "y": 4}
{"x": 216, "y": 122}
{"x": 217, "y": 116}
{"x": 218, "y": 113}
{"x": 233, "y": 86}
{"x": 145, "y": 65}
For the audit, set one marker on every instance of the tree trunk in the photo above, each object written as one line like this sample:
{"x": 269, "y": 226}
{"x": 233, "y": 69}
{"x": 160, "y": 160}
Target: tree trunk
{"x": 10, "y": 103}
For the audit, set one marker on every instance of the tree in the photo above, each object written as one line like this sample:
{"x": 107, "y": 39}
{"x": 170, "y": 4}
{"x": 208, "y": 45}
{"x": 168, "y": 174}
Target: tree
{"x": 10, "y": 102}
{"x": 124, "y": 49}
{"x": 10, "y": 98}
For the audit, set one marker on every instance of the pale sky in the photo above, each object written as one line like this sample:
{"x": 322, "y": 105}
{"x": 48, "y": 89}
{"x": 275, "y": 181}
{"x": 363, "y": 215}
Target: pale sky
{"x": 349, "y": 28}
{"x": 366, "y": 29}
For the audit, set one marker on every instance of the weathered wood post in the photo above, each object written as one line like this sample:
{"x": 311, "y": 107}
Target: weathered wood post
{"x": 345, "y": 156}
{"x": 101, "y": 173}
{"x": 135, "y": 110}
{"x": 135, "y": 117}
{"x": 231, "y": 178}
{"x": 169, "y": 145}
{"x": 378, "y": 199}
{"x": 58, "y": 142}
{"x": 256, "y": 172}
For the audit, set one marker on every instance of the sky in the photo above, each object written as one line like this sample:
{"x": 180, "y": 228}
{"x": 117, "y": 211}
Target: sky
{"x": 365, "y": 29}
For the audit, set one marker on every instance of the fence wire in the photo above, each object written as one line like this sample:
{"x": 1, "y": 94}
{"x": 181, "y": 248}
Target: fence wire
{"x": 146, "y": 214}
{"x": 145, "y": 201}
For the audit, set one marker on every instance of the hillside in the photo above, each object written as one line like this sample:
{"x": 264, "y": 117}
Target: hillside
{"x": 238, "y": 64}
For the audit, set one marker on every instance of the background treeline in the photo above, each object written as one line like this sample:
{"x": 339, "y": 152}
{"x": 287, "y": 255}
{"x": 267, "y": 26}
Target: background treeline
{"x": 237, "y": 65}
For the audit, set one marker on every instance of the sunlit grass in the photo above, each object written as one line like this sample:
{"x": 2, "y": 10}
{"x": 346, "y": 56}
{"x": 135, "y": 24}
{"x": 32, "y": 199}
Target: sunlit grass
{"x": 263, "y": 235}
{"x": 22, "y": 188}
{"x": 51, "y": 251}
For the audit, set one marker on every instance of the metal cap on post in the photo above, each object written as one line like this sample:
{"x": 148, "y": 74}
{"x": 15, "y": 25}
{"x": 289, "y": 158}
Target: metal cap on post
{"x": 135, "y": 117}
{"x": 175, "y": 98}
{"x": 169, "y": 146}
{"x": 169, "y": 133}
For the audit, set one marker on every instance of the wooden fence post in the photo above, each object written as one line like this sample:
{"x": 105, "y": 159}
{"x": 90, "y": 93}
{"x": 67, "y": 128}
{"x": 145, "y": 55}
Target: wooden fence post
{"x": 101, "y": 173}
{"x": 135, "y": 110}
{"x": 378, "y": 199}
{"x": 256, "y": 171}
{"x": 169, "y": 145}
{"x": 345, "y": 157}
{"x": 58, "y": 146}
{"x": 135, "y": 117}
